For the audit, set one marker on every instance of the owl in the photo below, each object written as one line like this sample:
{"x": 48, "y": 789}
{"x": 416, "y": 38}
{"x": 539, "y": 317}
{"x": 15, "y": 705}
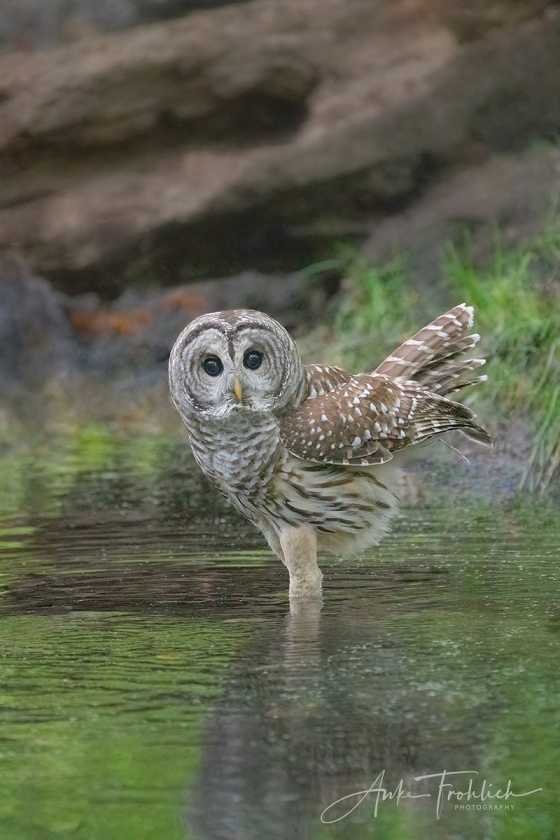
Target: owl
{"x": 311, "y": 454}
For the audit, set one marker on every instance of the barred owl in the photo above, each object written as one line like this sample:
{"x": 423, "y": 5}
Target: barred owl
{"x": 310, "y": 453}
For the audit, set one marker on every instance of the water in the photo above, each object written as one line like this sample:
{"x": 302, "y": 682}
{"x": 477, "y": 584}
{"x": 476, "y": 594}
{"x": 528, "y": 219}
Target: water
{"x": 154, "y": 683}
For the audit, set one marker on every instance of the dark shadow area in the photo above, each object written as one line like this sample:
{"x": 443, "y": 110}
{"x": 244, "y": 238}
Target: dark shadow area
{"x": 272, "y": 238}
{"x": 214, "y": 247}
{"x": 152, "y": 10}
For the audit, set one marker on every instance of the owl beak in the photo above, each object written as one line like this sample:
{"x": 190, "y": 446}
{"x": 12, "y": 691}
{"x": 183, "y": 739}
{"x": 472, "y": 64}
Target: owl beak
{"x": 237, "y": 390}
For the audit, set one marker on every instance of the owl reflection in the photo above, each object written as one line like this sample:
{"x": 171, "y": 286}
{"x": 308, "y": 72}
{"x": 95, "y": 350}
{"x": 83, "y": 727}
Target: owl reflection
{"x": 310, "y": 453}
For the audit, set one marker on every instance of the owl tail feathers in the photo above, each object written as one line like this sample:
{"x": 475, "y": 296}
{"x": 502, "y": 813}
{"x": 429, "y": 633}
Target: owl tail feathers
{"x": 436, "y": 415}
{"x": 476, "y": 432}
{"x": 431, "y": 356}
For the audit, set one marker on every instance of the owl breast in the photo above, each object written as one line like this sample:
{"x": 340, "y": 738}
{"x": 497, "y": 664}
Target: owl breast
{"x": 239, "y": 456}
{"x": 349, "y": 508}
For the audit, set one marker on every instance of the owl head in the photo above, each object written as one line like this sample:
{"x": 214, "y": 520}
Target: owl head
{"x": 237, "y": 360}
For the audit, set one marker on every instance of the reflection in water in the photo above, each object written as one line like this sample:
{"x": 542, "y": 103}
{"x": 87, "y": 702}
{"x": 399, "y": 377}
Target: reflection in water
{"x": 156, "y": 684}
{"x": 432, "y": 672}
{"x": 316, "y": 711}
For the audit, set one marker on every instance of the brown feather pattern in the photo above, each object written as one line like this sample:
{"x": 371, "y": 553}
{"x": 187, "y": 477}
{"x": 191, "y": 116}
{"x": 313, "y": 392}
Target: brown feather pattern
{"x": 311, "y": 454}
{"x": 364, "y": 419}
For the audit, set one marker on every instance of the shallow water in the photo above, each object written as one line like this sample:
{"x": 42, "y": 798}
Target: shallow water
{"x": 154, "y": 682}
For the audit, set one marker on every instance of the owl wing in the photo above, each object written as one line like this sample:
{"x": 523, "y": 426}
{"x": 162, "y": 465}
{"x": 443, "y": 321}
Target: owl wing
{"x": 368, "y": 417}
{"x": 430, "y": 356}
{"x": 323, "y": 378}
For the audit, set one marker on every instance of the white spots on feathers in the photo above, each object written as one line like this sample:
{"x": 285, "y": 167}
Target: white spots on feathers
{"x": 470, "y": 312}
{"x": 398, "y": 404}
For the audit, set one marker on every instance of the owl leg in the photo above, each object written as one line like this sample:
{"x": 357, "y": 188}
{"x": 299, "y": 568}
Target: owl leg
{"x": 273, "y": 541}
{"x": 299, "y": 549}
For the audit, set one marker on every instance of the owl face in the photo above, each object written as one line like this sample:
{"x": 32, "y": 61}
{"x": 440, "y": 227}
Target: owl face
{"x": 235, "y": 361}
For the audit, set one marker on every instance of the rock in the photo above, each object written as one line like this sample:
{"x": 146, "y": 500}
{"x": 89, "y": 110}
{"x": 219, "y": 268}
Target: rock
{"x": 135, "y": 334}
{"x": 45, "y": 334}
{"x": 512, "y": 195}
{"x": 36, "y": 340}
{"x": 35, "y": 24}
{"x": 254, "y": 135}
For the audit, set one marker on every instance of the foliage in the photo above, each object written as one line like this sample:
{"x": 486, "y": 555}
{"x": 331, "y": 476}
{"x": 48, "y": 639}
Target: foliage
{"x": 517, "y": 303}
{"x": 380, "y": 306}
{"x": 375, "y": 310}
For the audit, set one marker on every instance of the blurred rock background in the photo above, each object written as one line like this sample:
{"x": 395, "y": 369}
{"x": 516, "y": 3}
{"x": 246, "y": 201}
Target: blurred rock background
{"x": 160, "y": 158}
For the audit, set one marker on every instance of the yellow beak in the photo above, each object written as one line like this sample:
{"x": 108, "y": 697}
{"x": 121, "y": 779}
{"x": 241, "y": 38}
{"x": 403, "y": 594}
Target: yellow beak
{"x": 237, "y": 389}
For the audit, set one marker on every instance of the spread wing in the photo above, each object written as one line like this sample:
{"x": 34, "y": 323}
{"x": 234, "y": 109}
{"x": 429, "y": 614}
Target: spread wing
{"x": 363, "y": 419}
{"x": 367, "y": 418}
{"x": 430, "y": 356}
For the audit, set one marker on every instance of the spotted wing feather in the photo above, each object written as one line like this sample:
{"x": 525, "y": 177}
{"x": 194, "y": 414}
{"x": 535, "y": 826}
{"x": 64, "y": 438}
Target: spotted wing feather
{"x": 367, "y": 419}
{"x": 443, "y": 379}
{"x": 429, "y": 356}
{"x": 350, "y": 424}
{"x": 364, "y": 419}
{"x": 321, "y": 379}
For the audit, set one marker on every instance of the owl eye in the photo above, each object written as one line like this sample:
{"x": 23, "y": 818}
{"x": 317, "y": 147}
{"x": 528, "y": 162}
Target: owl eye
{"x": 212, "y": 365}
{"x": 252, "y": 359}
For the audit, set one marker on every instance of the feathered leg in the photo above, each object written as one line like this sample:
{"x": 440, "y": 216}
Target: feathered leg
{"x": 299, "y": 547}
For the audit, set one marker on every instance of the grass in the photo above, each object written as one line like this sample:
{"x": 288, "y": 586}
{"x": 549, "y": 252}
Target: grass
{"x": 375, "y": 308}
{"x": 517, "y": 303}
{"x": 517, "y": 306}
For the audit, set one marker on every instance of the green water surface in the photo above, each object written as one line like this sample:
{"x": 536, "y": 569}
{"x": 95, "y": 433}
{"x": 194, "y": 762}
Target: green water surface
{"x": 156, "y": 685}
